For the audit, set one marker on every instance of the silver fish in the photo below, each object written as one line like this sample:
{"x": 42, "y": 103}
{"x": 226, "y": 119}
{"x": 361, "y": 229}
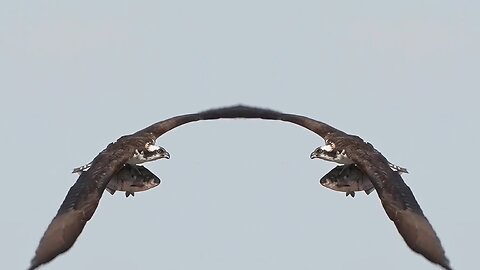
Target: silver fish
{"x": 131, "y": 179}
{"x": 348, "y": 179}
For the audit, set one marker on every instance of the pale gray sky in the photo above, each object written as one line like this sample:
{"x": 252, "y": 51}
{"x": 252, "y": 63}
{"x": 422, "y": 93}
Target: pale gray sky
{"x": 239, "y": 194}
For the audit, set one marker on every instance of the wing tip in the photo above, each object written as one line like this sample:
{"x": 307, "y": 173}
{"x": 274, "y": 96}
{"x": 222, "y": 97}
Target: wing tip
{"x": 445, "y": 264}
{"x": 34, "y": 264}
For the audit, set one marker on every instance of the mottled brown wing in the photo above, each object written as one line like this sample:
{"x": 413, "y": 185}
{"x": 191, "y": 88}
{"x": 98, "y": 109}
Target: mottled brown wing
{"x": 320, "y": 128}
{"x": 159, "y": 128}
{"x": 399, "y": 203}
{"x": 83, "y": 197}
{"x": 79, "y": 205}
{"x": 396, "y": 197}
{"x": 239, "y": 111}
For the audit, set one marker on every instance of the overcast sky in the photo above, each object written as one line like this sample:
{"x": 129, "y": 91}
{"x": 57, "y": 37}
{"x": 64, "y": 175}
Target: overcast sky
{"x": 239, "y": 194}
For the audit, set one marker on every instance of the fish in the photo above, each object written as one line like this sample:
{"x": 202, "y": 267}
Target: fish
{"x": 131, "y": 179}
{"x": 348, "y": 179}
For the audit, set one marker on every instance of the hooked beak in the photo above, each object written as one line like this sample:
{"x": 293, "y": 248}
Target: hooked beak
{"x": 165, "y": 154}
{"x": 314, "y": 154}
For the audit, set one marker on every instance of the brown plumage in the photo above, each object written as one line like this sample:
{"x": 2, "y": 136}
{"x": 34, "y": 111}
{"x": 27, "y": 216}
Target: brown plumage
{"x": 83, "y": 197}
{"x": 396, "y": 197}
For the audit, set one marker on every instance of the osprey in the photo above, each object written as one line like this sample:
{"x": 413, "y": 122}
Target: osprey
{"x": 396, "y": 197}
{"x": 83, "y": 197}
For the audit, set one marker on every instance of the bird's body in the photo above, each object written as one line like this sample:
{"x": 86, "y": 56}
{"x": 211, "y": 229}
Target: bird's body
{"x": 83, "y": 197}
{"x": 396, "y": 197}
{"x": 329, "y": 153}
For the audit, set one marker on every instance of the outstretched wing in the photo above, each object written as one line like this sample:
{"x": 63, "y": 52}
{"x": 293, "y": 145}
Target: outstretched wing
{"x": 238, "y": 111}
{"x": 320, "y": 128}
{"x": 242, "y": 111}
{"x": 79, "y": 205}
{"x": 396, "y": 197}
{"x": 400, "y": 204}
{"x": 83, "y": 197}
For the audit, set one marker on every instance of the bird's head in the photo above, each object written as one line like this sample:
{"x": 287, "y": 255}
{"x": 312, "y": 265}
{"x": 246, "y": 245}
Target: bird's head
{"x": 324, "y": 152}
{"x": 156, "y": 152}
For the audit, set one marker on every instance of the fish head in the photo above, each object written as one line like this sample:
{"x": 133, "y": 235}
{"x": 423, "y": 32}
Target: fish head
{"x": 151, "y": 182}
{"x": 144, "y": 178}
{"x": 133, "y": 178}
{"x": 331, "y": 179}
{"x": 346, "y": 178}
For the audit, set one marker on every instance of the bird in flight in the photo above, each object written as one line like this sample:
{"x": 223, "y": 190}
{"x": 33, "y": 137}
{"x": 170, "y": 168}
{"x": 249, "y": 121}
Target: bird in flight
{"x": 113, "y": 162}
{"x": 396, "y": 197}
